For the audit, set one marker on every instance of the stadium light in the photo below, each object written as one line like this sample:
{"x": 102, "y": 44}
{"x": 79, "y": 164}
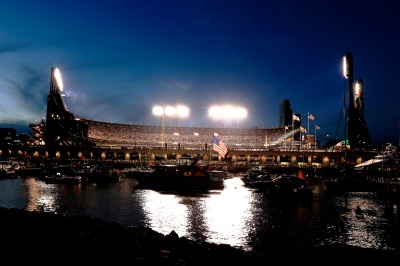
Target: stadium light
{"x": 225, "y": 112}
{"x": 57, "y": 75}
{"x": 182, "y": 111}
{"x": 172, "y": 111}
{"x": 240, "y": 113}
{"x": 345, "y": 68}
{"x": 357, "y": 89}
{"x": 158, "y": 110}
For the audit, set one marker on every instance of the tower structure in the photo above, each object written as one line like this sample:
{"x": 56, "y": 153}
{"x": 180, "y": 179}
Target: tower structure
{"x": 63, "y": 128}
{"x": 358, "y": 133}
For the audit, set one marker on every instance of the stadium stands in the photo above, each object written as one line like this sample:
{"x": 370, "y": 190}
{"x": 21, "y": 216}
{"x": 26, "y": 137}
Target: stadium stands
{"x": 112, "y": 134}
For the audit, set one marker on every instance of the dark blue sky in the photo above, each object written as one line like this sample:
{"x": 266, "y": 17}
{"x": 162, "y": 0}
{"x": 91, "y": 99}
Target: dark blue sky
{"x": 120, "y": 58}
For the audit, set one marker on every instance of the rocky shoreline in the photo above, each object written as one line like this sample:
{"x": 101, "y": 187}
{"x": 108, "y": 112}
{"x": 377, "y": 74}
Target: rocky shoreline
{"x": 49, "y": 238}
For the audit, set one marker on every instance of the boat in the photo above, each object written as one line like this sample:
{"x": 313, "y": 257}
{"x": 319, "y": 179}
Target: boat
{"x": 263, "y": 183}
{"x": 187, "y": 174}
{"x": 100, "y": 173}
{"x": 218, "y": 171}
{"x": 255, "y": 174}
{"x": 384, "y": 162}
{"x": 60, "y": 174}
{"x": 375, "y": 174}
{"x": 350, "y": 181}
{"x": 26, "y": 171}
{"x": 285, "y": 186}
{"x": 133, "y": 172}
{"x": 8, "y": 169}
{"x": 59, "y": 178}
{"x": 218, "y": 174}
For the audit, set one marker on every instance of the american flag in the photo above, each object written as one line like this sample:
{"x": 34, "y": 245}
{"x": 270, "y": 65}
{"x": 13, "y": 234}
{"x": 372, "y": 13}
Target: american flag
{"x": 219, "y": 146}
{"x": 296, "y": 118}
{"x": 311, "y": 117}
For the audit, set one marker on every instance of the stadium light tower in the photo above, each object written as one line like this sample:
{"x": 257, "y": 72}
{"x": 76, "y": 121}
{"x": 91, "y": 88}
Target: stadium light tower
{"x": 175, "y": 112}
{"x": 159, "y": 111}
{"x": 348, "y": 74}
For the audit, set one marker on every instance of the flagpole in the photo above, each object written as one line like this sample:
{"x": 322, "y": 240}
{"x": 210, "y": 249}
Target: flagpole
{"x": 292, "y": 133}
{"x": 286, "y": 138}
{"x": 315, "y": 136}
{"x": 308, "y": 123}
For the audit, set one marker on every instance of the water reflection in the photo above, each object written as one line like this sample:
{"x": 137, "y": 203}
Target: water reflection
{"x": 227, "y": 214}
{"x": 370, "y": 230}
{"x": 236, "y": 215}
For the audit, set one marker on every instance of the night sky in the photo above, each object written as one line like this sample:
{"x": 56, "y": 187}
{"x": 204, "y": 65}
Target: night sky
{"x": 120, "y": 58}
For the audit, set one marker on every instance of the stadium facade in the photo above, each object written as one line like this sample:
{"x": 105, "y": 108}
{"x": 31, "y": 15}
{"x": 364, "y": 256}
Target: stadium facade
{"x": 66, "y": 135}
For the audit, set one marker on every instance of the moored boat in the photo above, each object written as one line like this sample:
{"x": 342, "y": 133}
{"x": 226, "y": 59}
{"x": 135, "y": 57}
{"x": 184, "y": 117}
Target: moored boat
{"x": 218, "y": 174}
{"x": 376, "y": 174}
{"x": 134, "y": 172}
{"x": 187, "y": 174}
{"x": 255, "y": 174}
{"x": 61, "y": 174}
{"x": 100, "y": 173}
{"x": 8, "y": 169}
{"x": 59, "y": 178}
{"x": 285, "y": 186}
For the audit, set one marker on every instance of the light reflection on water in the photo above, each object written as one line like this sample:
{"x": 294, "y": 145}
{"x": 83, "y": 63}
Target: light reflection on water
{"x": 370, "y": 230}
{"x": 235, "y": 215}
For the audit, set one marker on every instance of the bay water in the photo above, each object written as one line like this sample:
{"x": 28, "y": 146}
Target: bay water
{"x": 236, "y": 215}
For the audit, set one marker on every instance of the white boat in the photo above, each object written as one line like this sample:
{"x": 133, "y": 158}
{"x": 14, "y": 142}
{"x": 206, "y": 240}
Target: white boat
{"x": 59, "y": 178}
{"x": 384, "y": 160}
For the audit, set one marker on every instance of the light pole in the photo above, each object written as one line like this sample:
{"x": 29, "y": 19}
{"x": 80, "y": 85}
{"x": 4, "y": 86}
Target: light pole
{"x": 159, "y": 111}
{"x": 327, "y": 138}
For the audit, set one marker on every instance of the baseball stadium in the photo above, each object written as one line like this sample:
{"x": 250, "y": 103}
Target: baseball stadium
{"x": 65, "y": 135}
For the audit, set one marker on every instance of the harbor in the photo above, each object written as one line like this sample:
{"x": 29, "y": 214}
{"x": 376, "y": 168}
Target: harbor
{"x": 327, "y": 219}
